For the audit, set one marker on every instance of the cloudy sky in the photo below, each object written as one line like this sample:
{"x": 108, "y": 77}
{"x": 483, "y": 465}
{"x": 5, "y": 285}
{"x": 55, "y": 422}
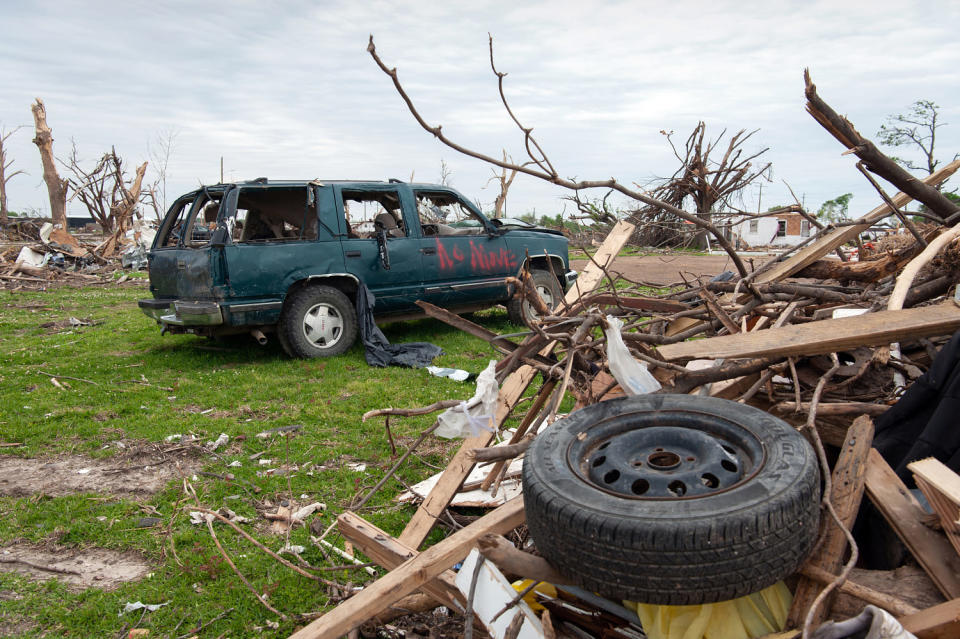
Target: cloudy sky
{"x": 287, "y": 90}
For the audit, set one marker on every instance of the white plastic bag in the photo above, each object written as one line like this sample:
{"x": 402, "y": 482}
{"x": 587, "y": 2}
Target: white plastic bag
{"x": 471, "y": 417}
{"x": 633, "y": 376}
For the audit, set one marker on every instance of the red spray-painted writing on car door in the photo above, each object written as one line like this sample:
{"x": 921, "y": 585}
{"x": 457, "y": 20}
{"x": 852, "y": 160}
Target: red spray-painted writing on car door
{"x": 480, "y": 260}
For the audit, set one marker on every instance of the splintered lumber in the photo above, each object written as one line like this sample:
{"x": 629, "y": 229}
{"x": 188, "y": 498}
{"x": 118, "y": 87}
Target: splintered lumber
{"x": 941, "y": 486}
{"x": 937, "y": 622}
{"x": 591, "y": 276}
{"x": 848, "y": 475}
{"x": 411, "y": 575}
{"x": 824, "y": 336}
{"x": 390, "y": 553}
{"x": 513, "y": 388}
{"x": 905, "y": 516}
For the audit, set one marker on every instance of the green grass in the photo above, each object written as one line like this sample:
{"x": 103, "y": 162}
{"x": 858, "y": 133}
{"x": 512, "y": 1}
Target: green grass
{"x": 143, "y": 387}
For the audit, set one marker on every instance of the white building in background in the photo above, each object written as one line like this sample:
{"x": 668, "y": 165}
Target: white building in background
{"x": 780, "y": 229}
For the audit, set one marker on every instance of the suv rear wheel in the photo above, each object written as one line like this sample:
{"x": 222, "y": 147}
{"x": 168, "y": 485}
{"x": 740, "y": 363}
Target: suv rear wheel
{"x": 520, "y": 311}
{"x": 319, "y": 321}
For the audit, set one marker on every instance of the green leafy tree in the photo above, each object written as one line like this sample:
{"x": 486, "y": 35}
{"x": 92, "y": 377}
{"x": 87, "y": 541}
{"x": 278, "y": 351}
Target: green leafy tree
{"x": 915, "y": 128}
{"x": 835, "y": 210}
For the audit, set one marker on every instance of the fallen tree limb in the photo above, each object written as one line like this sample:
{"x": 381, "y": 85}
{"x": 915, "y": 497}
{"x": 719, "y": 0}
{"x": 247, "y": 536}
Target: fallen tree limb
{"x": 843, "y": 130}
{"x": 501, "y": 453}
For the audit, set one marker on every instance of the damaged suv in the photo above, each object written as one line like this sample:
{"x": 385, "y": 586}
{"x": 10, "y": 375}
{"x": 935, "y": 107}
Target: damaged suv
{"x": 289, "y": 258}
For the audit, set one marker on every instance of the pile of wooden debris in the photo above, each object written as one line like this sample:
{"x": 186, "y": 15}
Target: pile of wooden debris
{"x": 824, "y": 344}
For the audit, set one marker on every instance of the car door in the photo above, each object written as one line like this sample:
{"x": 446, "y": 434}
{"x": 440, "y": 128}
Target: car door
{"x": 182, "y": 265}
{"x": 396, "y": 283}
{"x": 465, "y": 261}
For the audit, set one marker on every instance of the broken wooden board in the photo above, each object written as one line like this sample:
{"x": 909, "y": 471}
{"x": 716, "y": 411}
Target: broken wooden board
{"x": 592, "y": 275}
{"x": 904, "y": 514}
{"x": 938, "y": 622}
{"x": 825, "y": 336}
{"x": 941, "y": 486}
{"x": 513, "y": 388}
{"x": 847, "y": 484}
{"x": 390, "y": 553}
{"x": 411, "y": 575}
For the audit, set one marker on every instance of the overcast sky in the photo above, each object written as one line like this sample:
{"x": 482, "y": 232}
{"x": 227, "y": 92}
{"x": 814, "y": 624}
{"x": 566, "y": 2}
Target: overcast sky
{"x": 287, "y": 90}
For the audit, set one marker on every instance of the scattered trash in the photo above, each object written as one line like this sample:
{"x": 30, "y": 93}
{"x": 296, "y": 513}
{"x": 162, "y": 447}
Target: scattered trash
{"x": 476, "y": 414}
{"x": 358, "y": 467}
{"x": 30, "y": 257}
{"x": 137, "y": 605}
{"x": 633, "y": 376}
{"x": 220, "y": 441}
{"x": 456, "y": 374}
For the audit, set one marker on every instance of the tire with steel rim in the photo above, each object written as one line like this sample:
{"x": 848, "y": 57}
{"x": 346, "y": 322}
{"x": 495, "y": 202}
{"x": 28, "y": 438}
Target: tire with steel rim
{"x": 672, "y": 499}
{"x": 318, "y": 321}
{"x": 521, "y": 312}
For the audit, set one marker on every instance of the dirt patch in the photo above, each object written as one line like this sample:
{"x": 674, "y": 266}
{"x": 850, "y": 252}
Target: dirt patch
{"x": 134, "y": 472}
{"x": 79, "y": 569}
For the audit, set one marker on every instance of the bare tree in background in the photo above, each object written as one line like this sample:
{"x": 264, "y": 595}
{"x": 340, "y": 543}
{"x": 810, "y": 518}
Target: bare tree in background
{"x": 56, "y": 187}
{"x": 161, "y": 150}
{"x": 104, "y": 190}
{"x": 918, "y": 127}
{"x": 504, "y": 179}
{"x": 5, "y": 177}
{"x": 445, "y": 173}
{"x": 540, "y": 165}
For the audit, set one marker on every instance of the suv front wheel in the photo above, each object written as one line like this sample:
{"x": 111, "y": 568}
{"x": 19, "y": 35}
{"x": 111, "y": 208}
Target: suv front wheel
{"x": 319, "y": 321}
{"x": 521, "y": 312}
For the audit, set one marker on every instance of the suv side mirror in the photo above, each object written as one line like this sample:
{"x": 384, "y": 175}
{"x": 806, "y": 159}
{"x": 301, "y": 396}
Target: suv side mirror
{"x": 382, "y": 248}
{"x": 219, "y": 237}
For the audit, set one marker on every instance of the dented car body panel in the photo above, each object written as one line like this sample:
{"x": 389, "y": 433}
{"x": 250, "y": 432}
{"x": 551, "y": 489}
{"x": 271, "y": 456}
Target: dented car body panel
{"x": 227, "y": 258}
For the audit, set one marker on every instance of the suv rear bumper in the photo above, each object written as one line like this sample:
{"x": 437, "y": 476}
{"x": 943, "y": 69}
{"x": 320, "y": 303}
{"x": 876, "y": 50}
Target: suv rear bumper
{"x": 180, "y": 313}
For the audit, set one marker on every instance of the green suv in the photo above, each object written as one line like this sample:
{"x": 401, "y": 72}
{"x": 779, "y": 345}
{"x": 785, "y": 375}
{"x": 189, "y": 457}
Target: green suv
{"x": 289, "y": 257}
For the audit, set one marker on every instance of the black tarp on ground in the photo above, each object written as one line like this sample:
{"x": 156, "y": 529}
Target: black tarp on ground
{"x": 926, "y": 420}
{"x": 378, "y": 349}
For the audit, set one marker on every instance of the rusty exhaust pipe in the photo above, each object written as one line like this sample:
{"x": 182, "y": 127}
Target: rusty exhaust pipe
{"x": 259, "y": 336}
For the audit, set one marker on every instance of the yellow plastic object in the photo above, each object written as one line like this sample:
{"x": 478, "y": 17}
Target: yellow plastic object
{"x": 543, "y": 588}
{"x": 748, "y": 617}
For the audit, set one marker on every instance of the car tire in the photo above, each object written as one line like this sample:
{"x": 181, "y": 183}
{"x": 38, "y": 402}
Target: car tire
{"x": 672, "y": 499}
{"x": 318, "y": 321}
{"x": 521, "y": 312}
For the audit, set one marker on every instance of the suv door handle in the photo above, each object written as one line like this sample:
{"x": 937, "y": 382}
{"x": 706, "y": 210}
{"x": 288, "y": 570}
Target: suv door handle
{"x": 353, "y": 254}
{"x": 429, "y": 250}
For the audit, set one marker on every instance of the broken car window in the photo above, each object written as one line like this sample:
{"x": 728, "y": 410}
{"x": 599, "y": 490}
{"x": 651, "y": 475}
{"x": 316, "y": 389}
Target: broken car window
{"x": 272, "y": 215}
{"x": 368, "y": 211}
{"x": 445, "y": 214}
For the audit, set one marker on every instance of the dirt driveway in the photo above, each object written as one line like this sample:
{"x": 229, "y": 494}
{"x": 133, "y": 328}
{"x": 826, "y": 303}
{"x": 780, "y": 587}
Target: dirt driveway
{"x": 666, "y": 269}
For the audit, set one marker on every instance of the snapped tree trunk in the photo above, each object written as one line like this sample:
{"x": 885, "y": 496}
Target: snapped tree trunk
{"x": 56, "y": 187}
